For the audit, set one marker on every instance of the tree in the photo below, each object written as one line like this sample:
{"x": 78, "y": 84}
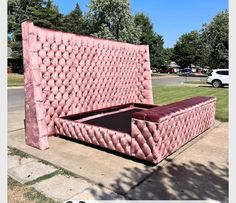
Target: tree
{"x": 146, "y": 26}
{"x": 73, "y": 22}
{"x": 168, "y": 55}
{"x": 113, "y": 20}
{"x": 42, "y": 13}
{"x": 186, "y": 50}
{"x": 148, "y": 36}
{"x": 214, "y": 39}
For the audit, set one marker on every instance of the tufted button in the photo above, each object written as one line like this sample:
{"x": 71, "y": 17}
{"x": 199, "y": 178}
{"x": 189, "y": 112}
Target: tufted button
{"x": 51, "y": 69}
{"x": 46, "y": 46}
{"x": 62, "y": 76}
{"x": 59, "y": 96}
{"x": 54, "y": 46}
{"x": 42, "y": 53}
{"x": 43, "y": 68}
{"x": 55, "y": 90}
{"x": 62, "y": 62}
{"x": 62, "y": 47}
{"x": 46, "y": 61}
{"x": 51, "y": 83}
{"x": 69, "y": 48}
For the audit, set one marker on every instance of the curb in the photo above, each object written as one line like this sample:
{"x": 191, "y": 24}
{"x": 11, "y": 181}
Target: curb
{"x": 195, "y": 85}
{"x": 160, "y": 77}
{"x": 16, "y": 87}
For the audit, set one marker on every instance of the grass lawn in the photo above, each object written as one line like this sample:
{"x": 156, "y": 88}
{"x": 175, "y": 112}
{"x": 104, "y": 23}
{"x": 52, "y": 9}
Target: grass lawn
{"x": 202, "y": 81}
{"x": 21, "y": 193}
{"x": 14, "y": 79}
{"x": 169, "y": 94}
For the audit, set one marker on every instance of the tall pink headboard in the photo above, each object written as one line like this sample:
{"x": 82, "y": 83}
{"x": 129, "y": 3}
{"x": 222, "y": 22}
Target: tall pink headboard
{"x": 67, "y": 74}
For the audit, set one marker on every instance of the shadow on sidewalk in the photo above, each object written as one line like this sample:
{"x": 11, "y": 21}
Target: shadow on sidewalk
{"x": 188, "y": 181}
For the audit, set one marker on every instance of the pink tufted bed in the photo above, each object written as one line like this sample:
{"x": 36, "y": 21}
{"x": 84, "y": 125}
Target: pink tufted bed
{"x": 99, "y": 91}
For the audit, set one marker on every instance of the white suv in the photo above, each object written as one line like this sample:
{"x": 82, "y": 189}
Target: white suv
{"x": 218, "y": 78}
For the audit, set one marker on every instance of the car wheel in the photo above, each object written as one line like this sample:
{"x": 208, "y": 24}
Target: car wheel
{"x": 216, "y": 83}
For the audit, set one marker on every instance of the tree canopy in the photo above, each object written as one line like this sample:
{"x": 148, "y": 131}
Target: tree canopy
{"x": 74, "y": 21}
{"x": 215, "y": 43}
{"x": 113, "y": 20}
{"x": 42, "y": 13}
{"x": 207, "y": 47}
{"x": 148, "y": 36}
{"x": 186, "y": 50}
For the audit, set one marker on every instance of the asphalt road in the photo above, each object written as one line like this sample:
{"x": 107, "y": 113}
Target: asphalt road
{"x": 15, "y": 99}
{"x": 16, "y": 96}
{"x": 16, "y": 112}
{"x": 173, "y": 80}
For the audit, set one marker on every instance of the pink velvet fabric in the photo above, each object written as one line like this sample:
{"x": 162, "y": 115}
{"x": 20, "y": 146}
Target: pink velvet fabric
{"x": 67, "y": 74}
{"x": 114, "y": 140}
{"x": 149, "y": 140}
{"x": 169, "y": 127}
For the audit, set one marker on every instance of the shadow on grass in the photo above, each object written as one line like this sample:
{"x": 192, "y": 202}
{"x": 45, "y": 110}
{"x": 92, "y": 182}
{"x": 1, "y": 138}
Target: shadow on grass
{"x": 209, "y": 86}
{"x": 187, "y": 181}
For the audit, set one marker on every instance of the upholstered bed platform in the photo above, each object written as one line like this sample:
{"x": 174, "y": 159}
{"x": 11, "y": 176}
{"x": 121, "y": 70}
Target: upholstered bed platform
{"x": 114, "y": 118}
{"x": 99, "y": 91}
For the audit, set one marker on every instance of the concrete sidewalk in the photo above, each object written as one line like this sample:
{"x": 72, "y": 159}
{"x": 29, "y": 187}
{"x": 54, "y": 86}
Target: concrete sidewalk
{"x": 199, "y": 170}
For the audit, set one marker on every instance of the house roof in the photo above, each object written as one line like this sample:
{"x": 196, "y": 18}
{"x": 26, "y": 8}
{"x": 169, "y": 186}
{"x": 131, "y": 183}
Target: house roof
{"x": 173, "y": 64}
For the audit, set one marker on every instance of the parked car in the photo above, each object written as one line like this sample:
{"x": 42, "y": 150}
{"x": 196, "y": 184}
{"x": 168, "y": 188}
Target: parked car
{"x": 166, "y": 70}
{"x": 185, "y": 71}
{"x": 218, "y": 78}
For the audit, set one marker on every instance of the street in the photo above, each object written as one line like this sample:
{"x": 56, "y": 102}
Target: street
{"x": 15, "y": 99}
{"x": 16, "y": 112}
{"x": 173, "y": 80}
{"x": 16, "y": 96}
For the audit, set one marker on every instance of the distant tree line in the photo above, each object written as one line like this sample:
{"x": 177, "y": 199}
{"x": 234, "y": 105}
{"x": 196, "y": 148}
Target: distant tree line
{"x": 207, "y": 47}
{"x": 113, "y": 20}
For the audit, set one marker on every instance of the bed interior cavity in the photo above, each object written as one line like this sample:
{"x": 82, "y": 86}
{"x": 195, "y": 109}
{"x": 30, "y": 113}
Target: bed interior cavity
{"x": 117, "y": 118}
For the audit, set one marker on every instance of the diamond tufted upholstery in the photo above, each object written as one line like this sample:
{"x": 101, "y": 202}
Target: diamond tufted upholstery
{"x": 114, "y": 140}
{"x": 155, "y": 133}
{"x": 66, "y": 74}
{"x": 160, "y": 131}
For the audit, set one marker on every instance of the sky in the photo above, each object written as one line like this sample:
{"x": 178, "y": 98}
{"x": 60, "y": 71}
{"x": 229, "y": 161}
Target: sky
{"x": 170, "y": 18}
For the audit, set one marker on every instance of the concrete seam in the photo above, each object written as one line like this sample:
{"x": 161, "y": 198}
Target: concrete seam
{"x": 15, "y": 130}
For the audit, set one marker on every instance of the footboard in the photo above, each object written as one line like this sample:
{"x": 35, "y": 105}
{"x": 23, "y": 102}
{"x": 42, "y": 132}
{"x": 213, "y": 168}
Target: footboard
{"x": 95, "y": 135}
{"x": 158, "y": 132}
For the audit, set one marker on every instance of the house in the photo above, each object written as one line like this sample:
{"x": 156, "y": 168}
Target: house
{"x": 13, "y": 65}
{"x": 174, "y": 65}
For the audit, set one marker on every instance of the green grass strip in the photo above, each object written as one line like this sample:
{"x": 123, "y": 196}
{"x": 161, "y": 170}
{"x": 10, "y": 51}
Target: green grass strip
{"x": 168, "y": 94}
{"x": 16, "y": 152}
{"x": 14, "y": 79}
{"x": 31, "y": 194}
{"x": 44, "y": 177}
{"x": 34, "y": 195}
